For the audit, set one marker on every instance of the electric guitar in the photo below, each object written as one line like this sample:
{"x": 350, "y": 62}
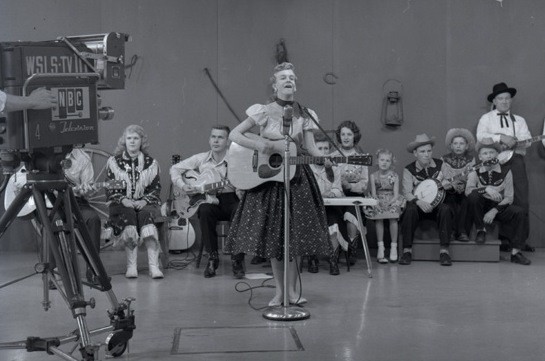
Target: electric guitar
{"x": 432, "y": 191}
{"x": 12, "y": 190}
{"x": 506, "y": 155}
{"x": 248, "y": 168}
{"x": 205, "y": 184}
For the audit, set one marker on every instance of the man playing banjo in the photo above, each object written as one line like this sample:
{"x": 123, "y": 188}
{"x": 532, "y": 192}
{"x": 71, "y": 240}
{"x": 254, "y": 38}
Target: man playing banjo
{"x": 426, "y": 203}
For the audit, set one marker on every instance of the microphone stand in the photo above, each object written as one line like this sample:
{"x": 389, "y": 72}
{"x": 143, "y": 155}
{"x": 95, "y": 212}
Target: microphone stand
{"x": 286, "y": 312}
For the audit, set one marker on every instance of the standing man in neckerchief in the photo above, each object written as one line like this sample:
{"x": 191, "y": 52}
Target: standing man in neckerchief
{"x": 506, "y": 128}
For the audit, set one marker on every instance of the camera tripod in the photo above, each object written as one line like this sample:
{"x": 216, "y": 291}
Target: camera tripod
{"x": 64, "y": 235}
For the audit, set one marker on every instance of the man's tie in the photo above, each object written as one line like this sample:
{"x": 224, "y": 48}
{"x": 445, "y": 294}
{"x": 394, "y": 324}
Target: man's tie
{"x": 503, "y": 118}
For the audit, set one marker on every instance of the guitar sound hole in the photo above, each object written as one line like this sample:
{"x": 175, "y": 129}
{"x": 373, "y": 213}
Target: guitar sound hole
{"x": 275, "y": 160}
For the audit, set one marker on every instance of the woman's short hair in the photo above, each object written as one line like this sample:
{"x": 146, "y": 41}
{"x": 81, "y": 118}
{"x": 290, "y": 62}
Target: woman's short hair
{"x": 279, "y": 68}
{"x": 353, "y": 127}
{"x": 133, "y": 128}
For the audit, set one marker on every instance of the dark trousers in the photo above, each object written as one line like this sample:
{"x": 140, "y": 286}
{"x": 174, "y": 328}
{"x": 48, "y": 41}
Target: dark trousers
{"x": 210, "y": 214}
{"x": 443, "y": 215}
{"x": 520, "y": 185}
{"x": 462, "y": 218}
{"x": 512, "y": 217}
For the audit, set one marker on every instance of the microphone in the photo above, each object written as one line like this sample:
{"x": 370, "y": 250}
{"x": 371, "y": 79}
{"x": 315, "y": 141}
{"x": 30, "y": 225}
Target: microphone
{"x": 287, "y": 117}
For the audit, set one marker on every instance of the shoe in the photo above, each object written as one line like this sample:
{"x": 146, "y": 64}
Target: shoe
{"x": 297, "y": 300}
{"x": 481, "y": 237}
{"x": 353, "y": 249}
{"x": 463, "y": 237}
{"x": 520, "y": 259}
{"x": 382, "y": 260}
{"x": 313, "y": 264}
{"x": 258, "y": 260}
{"x": 276, "y": 301}
{"x": 527, "y": 248}
{"x": 444, "y": 259}
{"x": 393, "y": 253}
{"x": 406, "y": 258}
{"x": 210, "y": 270}
{"x": 238, "y": 269}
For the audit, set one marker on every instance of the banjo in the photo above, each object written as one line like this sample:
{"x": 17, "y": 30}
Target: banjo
{"x": 433, "y": 192}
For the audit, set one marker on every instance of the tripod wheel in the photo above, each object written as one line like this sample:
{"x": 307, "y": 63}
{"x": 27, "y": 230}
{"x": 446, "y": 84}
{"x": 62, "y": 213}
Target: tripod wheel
{"x": 117, "y": 342}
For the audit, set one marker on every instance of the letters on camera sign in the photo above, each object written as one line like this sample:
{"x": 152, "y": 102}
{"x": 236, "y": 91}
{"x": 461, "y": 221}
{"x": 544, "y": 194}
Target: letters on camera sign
{"x": 73, "y": 103}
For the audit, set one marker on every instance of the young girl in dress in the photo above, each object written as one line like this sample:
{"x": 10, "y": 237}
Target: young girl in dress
{"x": 385, "y": 188}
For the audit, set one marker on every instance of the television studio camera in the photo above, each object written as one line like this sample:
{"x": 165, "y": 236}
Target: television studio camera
{"x": 74, "y": 69}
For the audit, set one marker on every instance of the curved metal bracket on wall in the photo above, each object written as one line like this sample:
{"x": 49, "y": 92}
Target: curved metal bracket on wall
{"x": 330, "y": 78}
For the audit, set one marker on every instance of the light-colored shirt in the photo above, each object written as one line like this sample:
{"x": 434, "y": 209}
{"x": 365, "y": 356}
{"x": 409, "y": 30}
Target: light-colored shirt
{"x": 3, "y": 97}
{"x": 326, "y": 186}
{"x": 200, "y": 162}
{"x": 490, "y": 126}
{"x": 81, "y": 169}
{"x": 351, "y": 173}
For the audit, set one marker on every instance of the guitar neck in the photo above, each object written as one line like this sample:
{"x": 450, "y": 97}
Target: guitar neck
{"x": 537, "y": 138}
{"x": 213, "y": 186}
{"x": 309, "y": 159}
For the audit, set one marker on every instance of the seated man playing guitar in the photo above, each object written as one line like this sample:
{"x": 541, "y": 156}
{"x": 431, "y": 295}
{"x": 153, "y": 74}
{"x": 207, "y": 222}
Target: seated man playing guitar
{"x": 425, "y": 167}
{"x": 222, "y": 202}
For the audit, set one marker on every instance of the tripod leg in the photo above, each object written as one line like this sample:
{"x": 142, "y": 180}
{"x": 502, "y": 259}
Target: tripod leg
{"x": 87, "y": 247}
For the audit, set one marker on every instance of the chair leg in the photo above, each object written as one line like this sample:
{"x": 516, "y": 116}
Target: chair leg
{"x": 347, "y": 258}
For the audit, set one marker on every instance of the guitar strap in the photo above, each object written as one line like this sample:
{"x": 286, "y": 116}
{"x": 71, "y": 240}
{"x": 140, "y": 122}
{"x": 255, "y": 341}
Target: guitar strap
{"x": 305, "y": 110}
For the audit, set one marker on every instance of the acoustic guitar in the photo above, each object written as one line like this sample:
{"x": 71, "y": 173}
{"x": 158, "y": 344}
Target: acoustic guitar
{"x": 12, "y": 190}
{"x": 432, "y": 191}
{"x": 205, "y": 184}
{"x": 248, "y": 168}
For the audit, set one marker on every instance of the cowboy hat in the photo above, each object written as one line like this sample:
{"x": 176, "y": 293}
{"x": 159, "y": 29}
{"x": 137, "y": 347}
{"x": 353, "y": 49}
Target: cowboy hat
{"x": 421, "y": 139}
{"x": 501, "y": 88}
{"x": 488, "y": 143}
{"x": 460, "y": 132}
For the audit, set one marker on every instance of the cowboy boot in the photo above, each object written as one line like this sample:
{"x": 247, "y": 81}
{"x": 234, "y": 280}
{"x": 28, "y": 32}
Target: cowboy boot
{"x": 213, "y": 263}
{"x": 153, "y": 259}
{"x": 132, "y": 255}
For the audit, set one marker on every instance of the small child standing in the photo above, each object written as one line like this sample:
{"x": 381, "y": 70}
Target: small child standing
{"x": 385, "y": 188}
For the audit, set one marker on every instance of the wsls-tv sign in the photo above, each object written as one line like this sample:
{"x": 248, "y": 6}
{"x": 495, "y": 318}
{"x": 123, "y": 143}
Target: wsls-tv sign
{"x": 72, "y": 103}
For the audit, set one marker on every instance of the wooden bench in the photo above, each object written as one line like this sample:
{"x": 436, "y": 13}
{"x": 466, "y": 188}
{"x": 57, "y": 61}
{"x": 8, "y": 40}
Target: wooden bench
{"x": 426, "y": 245}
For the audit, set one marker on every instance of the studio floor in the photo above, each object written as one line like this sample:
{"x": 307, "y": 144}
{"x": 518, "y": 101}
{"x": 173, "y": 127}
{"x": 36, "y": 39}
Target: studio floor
{"x": 424, "y": 312}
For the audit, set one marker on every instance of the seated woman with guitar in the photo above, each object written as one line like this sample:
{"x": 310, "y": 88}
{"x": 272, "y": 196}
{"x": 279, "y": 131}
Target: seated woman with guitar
{"x": 354, "y": 178}
{"x": 258, "y": 225}
{"x": 425, "y": 168}
{"x": 134, "y": 207}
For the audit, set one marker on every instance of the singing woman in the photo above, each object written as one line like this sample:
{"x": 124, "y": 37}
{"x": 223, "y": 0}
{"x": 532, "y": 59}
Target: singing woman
{"x": 258, "y": 225}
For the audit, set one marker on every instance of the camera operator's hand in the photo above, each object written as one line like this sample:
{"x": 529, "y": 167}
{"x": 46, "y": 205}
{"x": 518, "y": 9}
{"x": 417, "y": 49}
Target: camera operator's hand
{"x": 42, "y": 98}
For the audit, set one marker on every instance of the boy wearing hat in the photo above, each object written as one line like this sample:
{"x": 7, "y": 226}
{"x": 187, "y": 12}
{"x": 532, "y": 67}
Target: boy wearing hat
{"x": 490, "y": 196}
{"x": 461, "y": 144}
{"x": 424, "y": 167}
{"x": 505, "y": 128}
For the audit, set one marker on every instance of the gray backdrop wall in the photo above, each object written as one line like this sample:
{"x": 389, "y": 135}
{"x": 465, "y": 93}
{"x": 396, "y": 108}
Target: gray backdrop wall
{"x": 446, "y": 53}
